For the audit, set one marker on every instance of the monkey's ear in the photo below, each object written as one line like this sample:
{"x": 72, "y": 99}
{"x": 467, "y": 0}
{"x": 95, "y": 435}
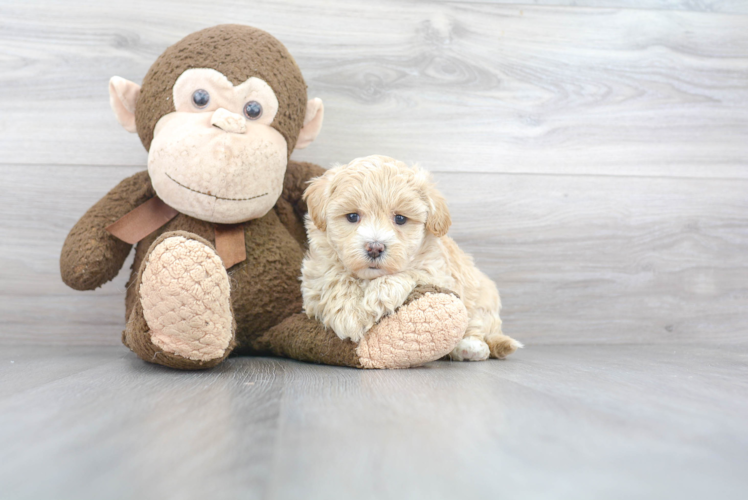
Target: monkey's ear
{"x": 316, "y": 200}
{"x": 123, "y": 94}
{"x": 315, "y": 112}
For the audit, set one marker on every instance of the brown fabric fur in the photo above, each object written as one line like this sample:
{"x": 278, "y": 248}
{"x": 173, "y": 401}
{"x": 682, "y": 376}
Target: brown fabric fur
{"x": 91, "y": 256}
{"x": 239, "y": 52}
{"x": 423, "y": 290}
{"x": 289, "y": 218}
{"x": 291, "y": 206}
{"x": 304, "y": 339}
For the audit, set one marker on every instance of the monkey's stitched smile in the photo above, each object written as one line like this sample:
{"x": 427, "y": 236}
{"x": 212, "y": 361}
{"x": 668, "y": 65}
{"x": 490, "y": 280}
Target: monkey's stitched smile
{"x": 212, "y": 195}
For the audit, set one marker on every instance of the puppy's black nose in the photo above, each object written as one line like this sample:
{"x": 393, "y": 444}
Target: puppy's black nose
{"x": 374, "y": 249}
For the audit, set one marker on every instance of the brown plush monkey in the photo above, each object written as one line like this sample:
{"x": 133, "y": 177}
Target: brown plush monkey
{"x": 218, "y": 217}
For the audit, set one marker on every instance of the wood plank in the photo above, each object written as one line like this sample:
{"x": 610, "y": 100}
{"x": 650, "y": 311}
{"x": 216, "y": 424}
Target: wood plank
{"x": 461, "y": 87}
{"x": 25, "y": 368}
{"x": 717, "y": 6}
{"x": 566, "y": 422}
{"x": 204, "y": 426}
{"x": 578, "y": 259}
{"x": 598, "y": 259}
{"x": 40, "y": 205}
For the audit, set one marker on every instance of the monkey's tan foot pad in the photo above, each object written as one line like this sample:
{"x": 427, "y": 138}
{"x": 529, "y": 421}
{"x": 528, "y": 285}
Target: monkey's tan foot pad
{"x": 184, "y": 292}
{"x": 424, "y": 329}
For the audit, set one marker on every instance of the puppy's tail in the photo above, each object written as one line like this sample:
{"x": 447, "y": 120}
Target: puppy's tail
{"x": 502, "y": 346}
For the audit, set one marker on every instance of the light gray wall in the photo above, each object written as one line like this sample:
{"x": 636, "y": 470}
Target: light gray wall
{"x": 594, "y": 153}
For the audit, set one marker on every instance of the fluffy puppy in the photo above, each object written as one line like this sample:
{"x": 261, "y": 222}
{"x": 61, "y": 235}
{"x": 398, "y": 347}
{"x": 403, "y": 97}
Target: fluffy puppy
{"x": 377, "y": 228}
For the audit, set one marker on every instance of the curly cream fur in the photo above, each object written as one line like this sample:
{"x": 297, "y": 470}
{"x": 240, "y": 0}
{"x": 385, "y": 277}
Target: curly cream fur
{"x": 349, "y": 292}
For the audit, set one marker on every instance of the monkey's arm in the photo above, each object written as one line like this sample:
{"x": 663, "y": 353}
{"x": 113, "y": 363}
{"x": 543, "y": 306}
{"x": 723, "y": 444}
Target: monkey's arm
{"x": 298, "y": 174}
{"x": 290, "y": 207}
{"x": 90, "y": 255}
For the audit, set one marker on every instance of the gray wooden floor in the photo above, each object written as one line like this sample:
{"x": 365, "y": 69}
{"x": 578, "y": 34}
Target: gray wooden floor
{"x": 562, "y": 422}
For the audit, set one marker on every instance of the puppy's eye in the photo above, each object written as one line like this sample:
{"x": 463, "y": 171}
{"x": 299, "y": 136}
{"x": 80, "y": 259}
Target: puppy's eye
{"x": 400, "y": 220}
{"x": 253, "y": 110}
{"x": 200, "y": 98}
{"x": 353, "y": 218}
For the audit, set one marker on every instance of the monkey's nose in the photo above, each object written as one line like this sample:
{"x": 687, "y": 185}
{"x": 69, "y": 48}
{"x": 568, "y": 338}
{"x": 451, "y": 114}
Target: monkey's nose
{"x": 228, "y": 121}
{"x": 374, "y": 249}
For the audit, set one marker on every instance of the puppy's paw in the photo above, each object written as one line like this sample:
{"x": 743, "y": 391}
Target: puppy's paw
{"x": 470, "y": 349}
{"x": 350, "y": 323}
{"x": 382, "y": 296}
{"x": 502, "y": 346}
{"x": 354, "y": 333}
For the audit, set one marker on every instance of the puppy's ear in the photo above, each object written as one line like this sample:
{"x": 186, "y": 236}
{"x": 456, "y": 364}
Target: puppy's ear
{"x": 316, "y": 200}
{"x": 438, "y": 220}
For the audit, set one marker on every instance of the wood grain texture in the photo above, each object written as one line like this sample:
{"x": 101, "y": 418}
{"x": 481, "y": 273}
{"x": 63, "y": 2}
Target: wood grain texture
{"x": 717, "y": 6}
{"x": 578, "y": 259}
{"x": 40, "y": 206}
{"x": 563, "y": 422}
{"x": 462, "y": 87}
{"x": 613, "y": 260}
{"x": 594, "y": 157}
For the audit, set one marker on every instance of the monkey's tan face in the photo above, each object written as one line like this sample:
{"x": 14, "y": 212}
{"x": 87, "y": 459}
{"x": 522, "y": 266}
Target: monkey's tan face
{"x": 216, "y": 158}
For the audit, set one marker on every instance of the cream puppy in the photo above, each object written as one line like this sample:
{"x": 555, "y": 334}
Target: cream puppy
{"x": 377, "y": 228}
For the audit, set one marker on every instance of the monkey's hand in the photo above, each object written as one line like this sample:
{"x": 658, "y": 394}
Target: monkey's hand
{"x": 90, "y": 255}
{"x": 298, "y": 174}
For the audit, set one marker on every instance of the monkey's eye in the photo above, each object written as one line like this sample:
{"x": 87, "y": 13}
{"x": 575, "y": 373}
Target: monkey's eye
{"x": 400, "y": 220}
{"x": 200, "y": 98}
{"x": 353, "y": 218}
{"x": 253, "y": 110}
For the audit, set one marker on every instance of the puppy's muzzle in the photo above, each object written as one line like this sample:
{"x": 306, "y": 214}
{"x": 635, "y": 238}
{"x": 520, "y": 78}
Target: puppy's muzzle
{"x": 374, "y": 249}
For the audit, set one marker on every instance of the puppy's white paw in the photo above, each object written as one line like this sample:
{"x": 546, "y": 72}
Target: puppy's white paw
{"x": 470, "y": 349}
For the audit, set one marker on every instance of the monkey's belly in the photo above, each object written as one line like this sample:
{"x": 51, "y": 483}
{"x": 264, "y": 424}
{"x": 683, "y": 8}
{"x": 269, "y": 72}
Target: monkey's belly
{"x": 265, "y": 287}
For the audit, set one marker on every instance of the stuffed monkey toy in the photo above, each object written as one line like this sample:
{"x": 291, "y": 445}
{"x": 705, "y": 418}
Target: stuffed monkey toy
{"x": 217, "y": 218}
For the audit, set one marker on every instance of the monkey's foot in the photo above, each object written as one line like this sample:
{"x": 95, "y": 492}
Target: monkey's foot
{"x": 425, "y": 328}
{"x": 184, "y": 317}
